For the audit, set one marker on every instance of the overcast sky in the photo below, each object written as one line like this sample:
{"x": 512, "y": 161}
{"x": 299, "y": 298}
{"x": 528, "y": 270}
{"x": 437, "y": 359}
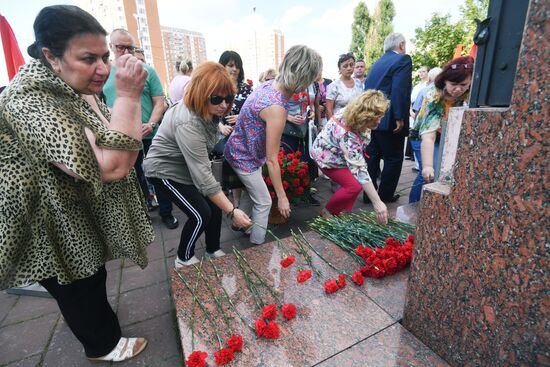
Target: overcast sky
{"x": 324, "y": 25}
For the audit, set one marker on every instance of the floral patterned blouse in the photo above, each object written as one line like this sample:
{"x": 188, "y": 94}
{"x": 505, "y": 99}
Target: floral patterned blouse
{"x": 342, "y": 95}
{"x": 433, "y": 112}
{"x": 337, "y": 146}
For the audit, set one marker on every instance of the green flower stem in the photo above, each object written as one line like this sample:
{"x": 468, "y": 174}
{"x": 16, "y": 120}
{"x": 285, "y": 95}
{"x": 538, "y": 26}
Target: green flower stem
{"x": 302, "y": 251}
{"x": 203, "y": 308}
{"x": 258, "y": 276}
{"x": 304, "y": 240}
{"x": 284, "y": 250}
{"x": 193, "y": 314}
{"x": 246, "y": 322}
{"x": 216, "y": 300}
{"x": 249, "y": 283}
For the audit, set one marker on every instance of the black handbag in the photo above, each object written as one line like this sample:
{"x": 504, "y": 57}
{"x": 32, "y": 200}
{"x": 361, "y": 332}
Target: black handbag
{"x": 218, "y": 149}
{"x": 296, "y": 131}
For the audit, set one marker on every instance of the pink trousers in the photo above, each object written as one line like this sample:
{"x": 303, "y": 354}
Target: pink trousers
{"x": 344, "y": 198}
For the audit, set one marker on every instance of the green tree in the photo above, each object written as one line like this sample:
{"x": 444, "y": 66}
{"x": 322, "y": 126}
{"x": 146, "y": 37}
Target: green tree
{"x": 436, "y": 43}
{"x": 381, "y": 26}
{"x": 360, "y": 29}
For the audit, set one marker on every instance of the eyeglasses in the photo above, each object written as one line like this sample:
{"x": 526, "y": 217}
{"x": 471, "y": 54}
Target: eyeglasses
{"x": 216, "y": 100}
{"x": 122, "y": 48}
{"x": 458, "y": 66}
{"x": 349, "y": 54}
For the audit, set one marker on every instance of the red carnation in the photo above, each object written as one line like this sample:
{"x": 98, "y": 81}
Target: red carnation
{"x": 224, "y": 356}
{"x": 282, "y": 171}
{"x": 285, "y": 184}
{"x": 299, "y": 190}
{"x": 272, "y": 194}
{"x": 296, "y": 182}
{"x": 268, "y": 181}
{"x": 260, "y": 327}
{"x": 298, "y": 154}
{"x": 295, "y": 162}
{"x": 291, "y": 169}
{"x": 410, "y": 238}
{"x": 271, "y": 330}
{"x": 341, "y": 281}
{"x": 196, "y": 359}
{"x": 290, "y": 156}
{"x": 373, "y": 272}
{"x": 289, "y": 311}
{"x": 235, "y": 342}
{"x": 301, "y": 173}
{"x": 296, "y": 97}
{"x": 390, "y": 265}
{"x": 304, "y": 275}
{"x": 287, "y": 261}
{"x": 269, "y": 312}
{"x": 331, "y": 286}
{"x": 357, "y": 278}
{"x": 305, "y": 181}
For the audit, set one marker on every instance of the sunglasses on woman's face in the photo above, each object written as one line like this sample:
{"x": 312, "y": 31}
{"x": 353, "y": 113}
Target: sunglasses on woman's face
{"x": 216, "y": 100}
{"x": 343, "y": 56}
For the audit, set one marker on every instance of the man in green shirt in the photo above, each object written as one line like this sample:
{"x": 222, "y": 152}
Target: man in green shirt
{"x": 153, "y": 107}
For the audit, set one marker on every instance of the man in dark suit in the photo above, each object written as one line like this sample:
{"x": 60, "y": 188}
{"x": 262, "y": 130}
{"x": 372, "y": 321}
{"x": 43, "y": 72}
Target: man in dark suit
{"x": 391, "y": 74}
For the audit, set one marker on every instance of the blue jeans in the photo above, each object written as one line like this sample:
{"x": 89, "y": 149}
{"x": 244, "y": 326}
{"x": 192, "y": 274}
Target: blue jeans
{"x": 416, "y": 189}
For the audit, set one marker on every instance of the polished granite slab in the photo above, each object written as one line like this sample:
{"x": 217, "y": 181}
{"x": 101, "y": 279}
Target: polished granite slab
{"x": 325, "y": 325}
{"x": 391, "y": 347}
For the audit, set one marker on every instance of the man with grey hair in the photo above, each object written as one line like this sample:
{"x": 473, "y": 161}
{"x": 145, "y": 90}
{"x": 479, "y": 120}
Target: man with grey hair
{"x": 152, "y": 110}
{"x": 391, "y": 74}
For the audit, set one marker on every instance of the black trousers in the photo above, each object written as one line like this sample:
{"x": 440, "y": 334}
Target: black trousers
{"x": 387, "y": 146}
{"x": 86, "y": 310}
{"x": 165, "y": 205}
{"x": 203, "y": 216}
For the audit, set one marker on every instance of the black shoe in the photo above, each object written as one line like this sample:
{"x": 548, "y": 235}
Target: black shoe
{"x": 366, "y": 199}
{"x": 312, "y": 201}
{"x": 393, "y": 199}
{"x": 170, "y": 221}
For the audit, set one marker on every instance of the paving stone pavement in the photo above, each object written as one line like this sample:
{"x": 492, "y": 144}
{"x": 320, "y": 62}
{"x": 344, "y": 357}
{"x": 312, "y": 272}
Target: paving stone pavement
{"x": 33, "y": 333}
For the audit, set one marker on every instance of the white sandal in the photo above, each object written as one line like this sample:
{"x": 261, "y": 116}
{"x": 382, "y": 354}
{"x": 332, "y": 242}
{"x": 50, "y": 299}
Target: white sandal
{"x": 124, "y": 350}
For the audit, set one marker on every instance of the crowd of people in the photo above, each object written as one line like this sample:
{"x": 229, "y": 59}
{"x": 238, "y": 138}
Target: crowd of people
{"x": 89, "y": 147}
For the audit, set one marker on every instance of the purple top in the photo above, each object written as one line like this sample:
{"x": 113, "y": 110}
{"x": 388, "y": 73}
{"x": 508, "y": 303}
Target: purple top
{"x": 245, "y": 149}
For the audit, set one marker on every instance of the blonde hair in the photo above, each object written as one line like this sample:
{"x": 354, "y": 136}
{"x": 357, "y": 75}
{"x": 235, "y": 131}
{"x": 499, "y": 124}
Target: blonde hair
{"x": 300, "y": 67}
{"x": 209, "y": 79}
{"x": 364, "y": 109}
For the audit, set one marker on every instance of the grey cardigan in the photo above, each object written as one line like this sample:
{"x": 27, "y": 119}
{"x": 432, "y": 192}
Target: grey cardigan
{"x": 180, "y": 150}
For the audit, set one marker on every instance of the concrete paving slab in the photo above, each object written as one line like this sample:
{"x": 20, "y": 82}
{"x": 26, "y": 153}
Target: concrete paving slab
{"x": 27, "y": 308}
{"x": 144, "y": 304}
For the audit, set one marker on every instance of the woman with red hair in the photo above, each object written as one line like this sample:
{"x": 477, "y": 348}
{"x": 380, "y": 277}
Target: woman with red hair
{"x": 451, "y": 89}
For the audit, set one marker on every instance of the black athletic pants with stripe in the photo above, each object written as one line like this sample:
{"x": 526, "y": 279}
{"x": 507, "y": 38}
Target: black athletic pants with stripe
{"x": 203, "y": 216}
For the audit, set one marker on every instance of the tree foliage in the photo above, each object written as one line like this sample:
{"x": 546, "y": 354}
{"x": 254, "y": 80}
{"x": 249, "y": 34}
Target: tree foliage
{"x": 381, "y": 26}
{"x": 360, "y": 29}
{"x": 435, "y": 44}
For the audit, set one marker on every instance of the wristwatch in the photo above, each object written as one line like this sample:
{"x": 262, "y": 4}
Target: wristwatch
{"x": 153, "y": 125}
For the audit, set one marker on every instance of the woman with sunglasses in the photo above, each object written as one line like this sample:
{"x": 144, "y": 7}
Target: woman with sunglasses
{"x": 451, "y": 89}
{"x": 344, "y": 89}
{"x": 257, "y": 135}
{"x": 178, "y": 161}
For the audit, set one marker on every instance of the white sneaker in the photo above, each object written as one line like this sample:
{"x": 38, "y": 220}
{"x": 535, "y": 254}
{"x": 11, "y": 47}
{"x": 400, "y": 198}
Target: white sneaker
{"x": 218, "y": 253}
{"x": 180, "y": 263}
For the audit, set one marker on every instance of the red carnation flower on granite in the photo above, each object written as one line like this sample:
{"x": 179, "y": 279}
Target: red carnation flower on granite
{"x": 235, "y": 342}
{"x": 289, "y": 311}
{"x": 287, "y": 261}
{"x": 331, "y": 286}
{"x": 196, "y": 359}
{"x": 372, "y": 272}
{"x": 271, "y": 330}
{"x": 269, "y": 312}
{"x": 341, "y": 281}
{"x": 304, "y": 275}
{"x": 260, "y": 327}
{"x": 410, "y": 238}
{"x": 357, "y": 278}
{"x": 224, "y": 356}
